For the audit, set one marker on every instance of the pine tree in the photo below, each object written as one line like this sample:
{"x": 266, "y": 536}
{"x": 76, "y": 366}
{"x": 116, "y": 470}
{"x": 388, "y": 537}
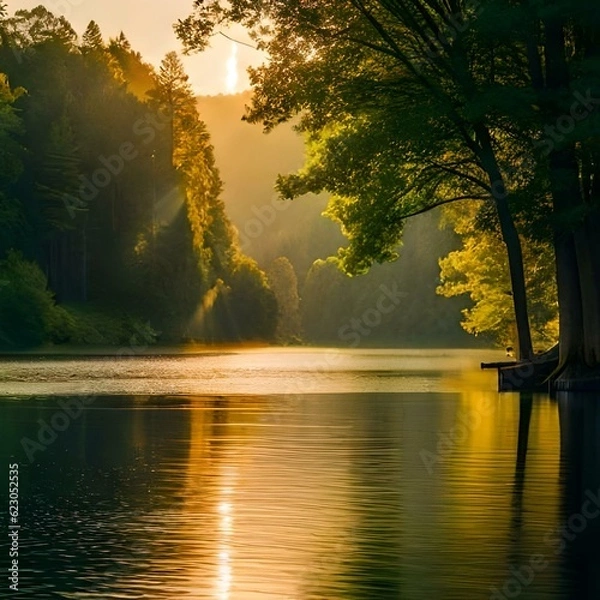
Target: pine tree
{"x": 122, "y": 42}
{"x": 92, "y": 38}
{"x": 174, "y": 95}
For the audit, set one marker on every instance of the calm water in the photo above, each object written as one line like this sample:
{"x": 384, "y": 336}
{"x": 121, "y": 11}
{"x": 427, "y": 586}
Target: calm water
{"x": 298, "y": 474}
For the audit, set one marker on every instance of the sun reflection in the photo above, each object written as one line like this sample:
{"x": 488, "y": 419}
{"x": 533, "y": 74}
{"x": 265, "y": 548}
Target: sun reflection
{"x": 224, "y": 580}
{"x": 224, "y": 508}
{"x": 225, "y": 570}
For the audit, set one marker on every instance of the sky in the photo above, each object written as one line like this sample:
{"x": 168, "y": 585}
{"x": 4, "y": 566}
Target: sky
{"x": 148, "y": 24}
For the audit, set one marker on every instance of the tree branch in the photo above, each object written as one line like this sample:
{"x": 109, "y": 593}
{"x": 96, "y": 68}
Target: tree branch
{"x": 425, "y": 209}
{"x": 463, "y": 175}
{"x": 234, "y": 40}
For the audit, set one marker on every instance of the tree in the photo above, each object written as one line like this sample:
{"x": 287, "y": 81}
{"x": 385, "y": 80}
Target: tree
{"x": 26, "y": 303}
{"x": 29, "y": 28}
{"x": 407, "y": 103}
{"x": 236, "y": 300}
{"x": 11, "y": 210}
{"x": 284, "y": 283}
{"x": 56, "y": 188}
{"x": 479, "y": 269}
{"x": 130, "y": 68}
{"x": 92, "y": 38}
{"x": 563, "y": 54}
{"x": 174, "y": 95}
{"x": 105, "y": 210}
{"x": 121, "y": 42}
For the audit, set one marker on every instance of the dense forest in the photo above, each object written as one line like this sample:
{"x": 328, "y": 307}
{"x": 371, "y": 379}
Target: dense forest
{"x": 117, "y": 225}
{"x": 113, "y": 226}
{"x": 487, "y": 109}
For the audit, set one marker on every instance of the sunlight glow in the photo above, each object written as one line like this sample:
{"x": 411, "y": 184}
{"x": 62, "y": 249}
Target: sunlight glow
{"x": 224, "y": 582}
{"x": 232, "y": 70}
{"x": 224, "y": 577}
{"x": 225, "y": 508}
{"x": 206, "y": 305}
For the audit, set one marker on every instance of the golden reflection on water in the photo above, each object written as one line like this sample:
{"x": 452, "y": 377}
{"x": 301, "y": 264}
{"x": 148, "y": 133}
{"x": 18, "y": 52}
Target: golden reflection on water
{"x": 323, "y": 497}
{"x": 311, "y": 507}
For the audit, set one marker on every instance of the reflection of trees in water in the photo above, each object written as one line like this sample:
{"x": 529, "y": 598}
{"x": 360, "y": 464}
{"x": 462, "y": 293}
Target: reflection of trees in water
{"x": 525, "y": 410}
{"x": 138, "y": 481}
{"x": 366, "y": 558}
{"x": 574, "y": 544}
{"x": 580, "y": 483}
{"x": 85, "y": 493}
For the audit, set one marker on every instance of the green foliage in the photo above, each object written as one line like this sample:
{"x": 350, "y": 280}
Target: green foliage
{"x": 92, "y": 38}
{"x": 30, "y": 317}
{"x": 118, "y": 197}
{"x": 333, "y": 312}
{"x": 480, "y": 270}
{"x": 247, "y": 308}
{"x": 284, "y": 283}
{"x": 88, "y": 325}
{"x": 26, "y": 304}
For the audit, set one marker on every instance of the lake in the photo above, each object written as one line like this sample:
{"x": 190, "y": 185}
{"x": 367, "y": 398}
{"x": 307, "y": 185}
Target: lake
{"x": 298, "y": 474}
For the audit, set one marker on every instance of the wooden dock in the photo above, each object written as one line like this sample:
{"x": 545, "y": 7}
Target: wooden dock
{"x": 527, "y": 375}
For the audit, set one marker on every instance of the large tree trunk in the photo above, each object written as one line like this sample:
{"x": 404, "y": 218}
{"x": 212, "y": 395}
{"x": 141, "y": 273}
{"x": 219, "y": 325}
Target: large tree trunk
{"x": 511, "y": 239}
{"x": 576, "y": 242}
{"x": 565, "y": 196}
{"x": 577, "y": 247}
{"x": 587, "y": 244}
{"x": 577, "y": 250}
{"x": 517, "y": 277}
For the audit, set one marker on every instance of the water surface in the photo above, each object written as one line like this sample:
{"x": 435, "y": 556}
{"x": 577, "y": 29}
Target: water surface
{"x": 286, "y": 475}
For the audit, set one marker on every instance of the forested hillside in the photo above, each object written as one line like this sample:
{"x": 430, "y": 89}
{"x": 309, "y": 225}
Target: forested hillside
{"x": 292, "y": 241}
{"x": 113, "y": 226}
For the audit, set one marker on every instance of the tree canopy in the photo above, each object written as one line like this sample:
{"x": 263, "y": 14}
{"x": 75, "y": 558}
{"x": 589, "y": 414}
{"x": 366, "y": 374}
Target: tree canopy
{"x": 110, "y": 197}
{"x": 410, "y": 104}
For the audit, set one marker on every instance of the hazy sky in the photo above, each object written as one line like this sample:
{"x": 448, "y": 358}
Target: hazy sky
{"x": 148, "y": 24}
